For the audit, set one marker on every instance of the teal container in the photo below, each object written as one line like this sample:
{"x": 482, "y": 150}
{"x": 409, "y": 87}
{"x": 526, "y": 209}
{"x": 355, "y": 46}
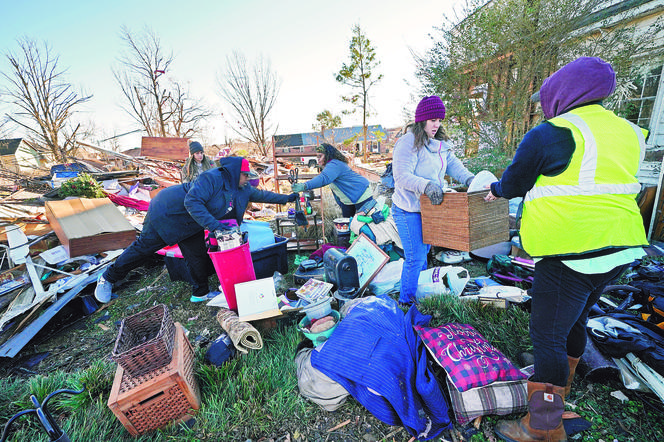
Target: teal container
{"x": 319, "y": 338}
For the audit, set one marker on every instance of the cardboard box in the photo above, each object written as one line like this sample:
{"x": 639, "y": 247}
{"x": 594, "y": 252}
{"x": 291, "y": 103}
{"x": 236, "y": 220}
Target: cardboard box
{"x": 464, "y": 221}
{"x": 89, "y": 226}
{"x": 155, "y": 399}
{"x": 165, "y": 148}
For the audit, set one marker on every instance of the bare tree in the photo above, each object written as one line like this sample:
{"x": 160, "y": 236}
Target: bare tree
{"x": 160, "y": 105}
{"x": 251, "y": 92}
{"x": 43, "y": 99}
{"x": 360, "y": 75}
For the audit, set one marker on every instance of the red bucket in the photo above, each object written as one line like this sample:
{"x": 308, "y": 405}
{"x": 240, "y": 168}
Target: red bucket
{"x": 233, "y": 266}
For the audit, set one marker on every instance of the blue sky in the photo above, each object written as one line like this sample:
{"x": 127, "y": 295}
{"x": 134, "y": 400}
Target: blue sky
{"x": 306, "y": 42}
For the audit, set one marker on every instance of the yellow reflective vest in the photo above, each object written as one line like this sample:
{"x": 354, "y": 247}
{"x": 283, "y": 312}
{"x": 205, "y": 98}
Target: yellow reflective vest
{"x": 591, "y": 205}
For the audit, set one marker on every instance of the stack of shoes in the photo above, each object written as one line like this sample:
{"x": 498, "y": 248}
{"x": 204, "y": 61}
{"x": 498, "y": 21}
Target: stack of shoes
{"x": 453, "y": 256}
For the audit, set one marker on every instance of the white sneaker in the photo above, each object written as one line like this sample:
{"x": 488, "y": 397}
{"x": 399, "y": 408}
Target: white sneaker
{"x": 104, "y": 290}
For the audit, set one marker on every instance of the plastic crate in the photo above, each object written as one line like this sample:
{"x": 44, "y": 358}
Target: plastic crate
{"x": 145, "y": 341}
{"x": 271, "y": 258}
{"x": 165, "y": 395}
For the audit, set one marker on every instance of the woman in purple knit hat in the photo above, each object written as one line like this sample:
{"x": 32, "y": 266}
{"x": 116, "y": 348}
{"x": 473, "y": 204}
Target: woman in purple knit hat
{"x": 420, "y": 162}
{"x": 580, "y": 222}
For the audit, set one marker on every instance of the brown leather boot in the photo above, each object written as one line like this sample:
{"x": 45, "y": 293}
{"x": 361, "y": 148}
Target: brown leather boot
{"x": 544, "y": 421}
{"x": 573, "y": 362}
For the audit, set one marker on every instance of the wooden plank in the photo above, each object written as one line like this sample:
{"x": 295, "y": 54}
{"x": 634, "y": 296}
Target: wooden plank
{"x": 165, "y": 148}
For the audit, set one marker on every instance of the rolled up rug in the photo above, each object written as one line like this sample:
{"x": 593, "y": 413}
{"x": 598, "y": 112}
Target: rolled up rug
{"x": 244, "y": 336}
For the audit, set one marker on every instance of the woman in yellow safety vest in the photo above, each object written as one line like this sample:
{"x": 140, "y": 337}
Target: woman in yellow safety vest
{"x": 576, "y": 174}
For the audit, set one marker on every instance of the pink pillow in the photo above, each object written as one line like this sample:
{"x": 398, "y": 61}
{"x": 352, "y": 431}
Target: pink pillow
{"x": 469, "y": 360}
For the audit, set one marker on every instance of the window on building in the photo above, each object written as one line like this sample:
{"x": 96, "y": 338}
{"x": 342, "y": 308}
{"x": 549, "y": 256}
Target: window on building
{"x": 639, "y": 107}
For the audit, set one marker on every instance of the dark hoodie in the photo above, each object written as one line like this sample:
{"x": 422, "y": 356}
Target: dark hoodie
{"x": 181, "y": 211}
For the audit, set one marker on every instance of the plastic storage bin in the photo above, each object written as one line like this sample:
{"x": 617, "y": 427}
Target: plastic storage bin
{"x": 271, "y": 258}
{"x": 233, "y": 266}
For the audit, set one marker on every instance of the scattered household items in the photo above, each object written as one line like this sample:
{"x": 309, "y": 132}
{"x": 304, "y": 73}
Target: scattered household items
{"x": 46, "y": 420}
{"x": 256, "y": 300}
{"x": 388, "y": 280}
{"x": 389, "y": 377}
{"x": 341, "y": 269}
{"x": 464, "y": 221}
{"x": 440, "y": 280}
{"x": 314, "y": 290}
{"x": 243, "y": 335}
{"x": 511, "y": 270}
{"x": 345, "y": 294}
{"x": 453, "y": 256}
{"x": 316, "y": 386}
{"x": 228, "y": 239}
{"x": 159, "y": 397}
{"x": 220, "y": 350}
{"x": 299, "y": 216}
{"x": 369, "y": 257}
{"x": 145, "y": 341}
{"x": 318, "y": 309}
{"x": 475, "y": 369}
{"x": 376, "y": 222}
{"x": 342, "y": 225}
{"x": 483, "y": 179}
{"x": 88, "y": 226}
{"x": 486, "y": 253}
{"x": 318, "y": 330}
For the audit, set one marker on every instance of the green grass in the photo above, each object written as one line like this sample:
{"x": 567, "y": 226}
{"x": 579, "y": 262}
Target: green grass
{"x": 255, "y": 395}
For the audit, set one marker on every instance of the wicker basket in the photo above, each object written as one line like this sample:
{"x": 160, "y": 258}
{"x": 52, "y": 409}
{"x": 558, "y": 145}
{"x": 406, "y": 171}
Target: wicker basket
{"x": 464, "y": 221}
{"x": 145, "y": 341}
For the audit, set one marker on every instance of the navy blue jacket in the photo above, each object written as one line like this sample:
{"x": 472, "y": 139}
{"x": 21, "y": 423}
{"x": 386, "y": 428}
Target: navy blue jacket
{"x": 181, "y": 211}
{"x": 377, "y": 356}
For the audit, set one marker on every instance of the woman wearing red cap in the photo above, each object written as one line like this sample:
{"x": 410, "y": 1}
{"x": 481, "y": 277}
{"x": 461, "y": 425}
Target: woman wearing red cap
{"x": 179, "y": 215}
{"x": 420, "y": 162}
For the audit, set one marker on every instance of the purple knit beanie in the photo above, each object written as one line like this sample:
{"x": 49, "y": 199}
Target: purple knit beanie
{"x": 584, "y": 80}
{"x": 430, "y": 108}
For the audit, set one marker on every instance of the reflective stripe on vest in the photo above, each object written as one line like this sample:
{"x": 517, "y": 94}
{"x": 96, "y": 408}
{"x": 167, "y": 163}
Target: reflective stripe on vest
{"x": 587, "y": 184}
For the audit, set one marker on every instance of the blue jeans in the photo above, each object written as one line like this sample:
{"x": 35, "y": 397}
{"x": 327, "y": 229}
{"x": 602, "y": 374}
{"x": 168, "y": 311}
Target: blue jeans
{"x": 561, "y": 300}
{"x": 193, "y": 250}
{"x": 349, "y": 210}
{"x": 409, "y": 225}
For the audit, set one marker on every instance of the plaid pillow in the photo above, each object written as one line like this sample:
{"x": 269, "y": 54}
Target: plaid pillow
{"x": 469, "y": 360}
{"x": 499, "y": 398}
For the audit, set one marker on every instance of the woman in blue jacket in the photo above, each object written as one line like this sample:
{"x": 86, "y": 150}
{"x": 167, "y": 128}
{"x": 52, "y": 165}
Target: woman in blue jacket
{"x": 350, "y": 189}
{"x": 180, "y": 213}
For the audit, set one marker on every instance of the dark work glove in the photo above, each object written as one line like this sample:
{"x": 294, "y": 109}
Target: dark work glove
{"x": 292, "y": 197}
{"x": 434, "y": 192}
{"x": 470, "y": 180}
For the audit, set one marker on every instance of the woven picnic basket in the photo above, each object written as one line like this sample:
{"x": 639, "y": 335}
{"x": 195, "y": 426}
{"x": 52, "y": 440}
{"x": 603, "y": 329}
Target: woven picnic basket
{"x": 145, "y": 341}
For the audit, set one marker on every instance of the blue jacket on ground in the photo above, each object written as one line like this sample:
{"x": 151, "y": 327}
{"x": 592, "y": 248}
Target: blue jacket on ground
{"x": 376, "y": 355}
